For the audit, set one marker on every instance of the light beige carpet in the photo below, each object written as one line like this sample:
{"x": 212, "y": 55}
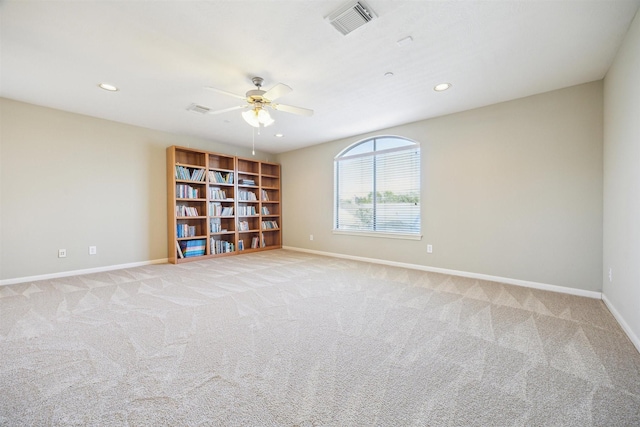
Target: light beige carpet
{"x": 281, "y": 338}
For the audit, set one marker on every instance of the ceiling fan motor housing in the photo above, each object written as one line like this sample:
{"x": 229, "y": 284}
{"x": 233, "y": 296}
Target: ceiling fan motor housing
{"x": 255, "y": 95}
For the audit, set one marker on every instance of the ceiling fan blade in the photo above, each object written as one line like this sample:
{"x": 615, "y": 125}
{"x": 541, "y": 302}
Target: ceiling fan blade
{"x": 224, "y": 92}
{"x": 226, "y": 110}
{"x": 277, "y": 91}
{"x": 291, "y": 109}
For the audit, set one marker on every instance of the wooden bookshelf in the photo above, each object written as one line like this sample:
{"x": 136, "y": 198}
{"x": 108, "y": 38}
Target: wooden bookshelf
{"x": 220, "y": 205}
{"x": 270, "y": 219}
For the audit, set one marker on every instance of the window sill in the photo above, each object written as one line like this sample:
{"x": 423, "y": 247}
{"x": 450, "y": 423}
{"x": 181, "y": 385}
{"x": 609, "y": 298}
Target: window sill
{"x": 379, "y": 234}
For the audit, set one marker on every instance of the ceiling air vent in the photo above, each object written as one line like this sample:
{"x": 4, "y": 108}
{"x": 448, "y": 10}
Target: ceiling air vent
{"x": 351, "y": 16}
{"x": 198, "y": 108}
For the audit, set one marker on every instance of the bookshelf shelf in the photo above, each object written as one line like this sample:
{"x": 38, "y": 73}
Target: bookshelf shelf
{"x": 220, "y": 205}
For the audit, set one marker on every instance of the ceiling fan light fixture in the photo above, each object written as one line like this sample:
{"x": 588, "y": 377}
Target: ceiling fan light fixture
{"x": 264, "y": 117}
{"x": 257, "y": 117}
{"x": 251, "y": 117}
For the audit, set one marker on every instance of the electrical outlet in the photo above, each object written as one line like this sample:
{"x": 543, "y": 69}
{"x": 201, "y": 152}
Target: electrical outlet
{"x": 310, "y": 236}
{"x": 429, "y": 249}
{"x": 93, "y": 250}
{"x": 62, "y": 253}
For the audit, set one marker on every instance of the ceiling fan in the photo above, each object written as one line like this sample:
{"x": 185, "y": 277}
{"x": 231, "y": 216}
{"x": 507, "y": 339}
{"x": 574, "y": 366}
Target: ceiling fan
{"x": 257, "y": 101}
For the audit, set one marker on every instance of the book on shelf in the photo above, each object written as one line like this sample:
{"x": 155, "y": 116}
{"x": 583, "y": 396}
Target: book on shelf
{"x": 185, "y": 230}
{"x": 215, "y": 226}
{"x": 269, "y": 225}
{"x": 246, "y": 210}
{"x": 215, "y": 209}
{"x": 241, "y": 245}
{"x": 265, "y": 210}
{"x": 185, "y": 191}
{"x": 247, "y": 181}
{"x": 243, "y": 226}
{"x": 265, "y": 195}
{"x": 219, "y": 246}
{"x": 179, "y": 249}
{"x": 221, "y": 177}
{"x": 216, "y": 193}
{"x": 254, "y": 242}
{"x": 191, "y": 248}
{"x": 247, "y": 195}
{"x": 189, "y": 174}
{"x": 182, "y": 210}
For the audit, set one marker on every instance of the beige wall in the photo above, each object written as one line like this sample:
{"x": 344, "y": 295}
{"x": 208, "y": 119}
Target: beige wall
{"x": 622, "y": 183}
{"x": 70, "y": 181}
{"x": 512, "y": 190}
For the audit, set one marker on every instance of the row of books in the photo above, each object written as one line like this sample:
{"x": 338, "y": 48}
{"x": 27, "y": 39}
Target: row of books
{"x": 221, "y": 177}
{"x": 243, "y": 226}
{"x": 186, "y": 211}
{"x": 183, "y": 172}
{"x": 246, "y": 195}
{"x": 247, "y": 181}
{"x": 193, "y": 248}
{"x": 265, "y": 195}
{"x": 246, "y": 210}
{"x": 215, "y": 226}
{"x": 221, "y": 246}
{"x": 254, "y": 242}
{"x": 269, "y": 225}
{"x": 216, "y": 193}
{"x": 185, "y": 191}
{"x": 190, "y": 248}
{"x": 185, "y": 230}
{"x": 216, "y": 209}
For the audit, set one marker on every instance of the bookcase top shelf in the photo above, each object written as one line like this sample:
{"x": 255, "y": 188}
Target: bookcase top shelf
{"x": 188, "y": 165}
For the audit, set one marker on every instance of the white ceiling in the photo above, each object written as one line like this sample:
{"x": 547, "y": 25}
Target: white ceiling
{"x": 162, "y": 54}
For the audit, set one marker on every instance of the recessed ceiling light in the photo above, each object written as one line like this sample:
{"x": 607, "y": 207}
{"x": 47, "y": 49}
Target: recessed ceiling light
{"x": 442, "y": 87}
{"x": 279, "y": 135}
{"x": 107, "y": 86}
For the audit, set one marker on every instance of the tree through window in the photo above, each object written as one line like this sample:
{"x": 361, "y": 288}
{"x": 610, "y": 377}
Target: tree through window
{"x": 377, "y": 187}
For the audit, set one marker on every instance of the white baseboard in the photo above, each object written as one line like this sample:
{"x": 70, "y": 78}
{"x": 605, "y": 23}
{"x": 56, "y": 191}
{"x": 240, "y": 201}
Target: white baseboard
{"x": 78, "y": 272}
{"x": 517, "y": 282}
{"x": 623, "y": 324}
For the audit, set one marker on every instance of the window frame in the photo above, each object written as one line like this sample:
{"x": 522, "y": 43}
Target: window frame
{"x": 373, "y": 153}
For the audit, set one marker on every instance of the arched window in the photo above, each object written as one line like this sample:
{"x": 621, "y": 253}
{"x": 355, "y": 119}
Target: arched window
{"x": 377, "y": 187}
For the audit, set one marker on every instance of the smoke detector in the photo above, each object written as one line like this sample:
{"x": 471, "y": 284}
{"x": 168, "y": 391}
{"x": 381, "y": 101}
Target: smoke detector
{"x": 351, "y": 16}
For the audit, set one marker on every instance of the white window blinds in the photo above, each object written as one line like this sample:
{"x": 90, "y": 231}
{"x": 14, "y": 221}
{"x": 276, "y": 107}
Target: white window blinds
{"x": 378, "y": 190}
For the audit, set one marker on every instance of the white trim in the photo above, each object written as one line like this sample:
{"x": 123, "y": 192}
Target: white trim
{"x": 79, "y": 272}
{"x": 506, "y": 280}
{"x": 625, "y": 327}
{"x": 379, "y": 234}
{"x": 369, "y": 153}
